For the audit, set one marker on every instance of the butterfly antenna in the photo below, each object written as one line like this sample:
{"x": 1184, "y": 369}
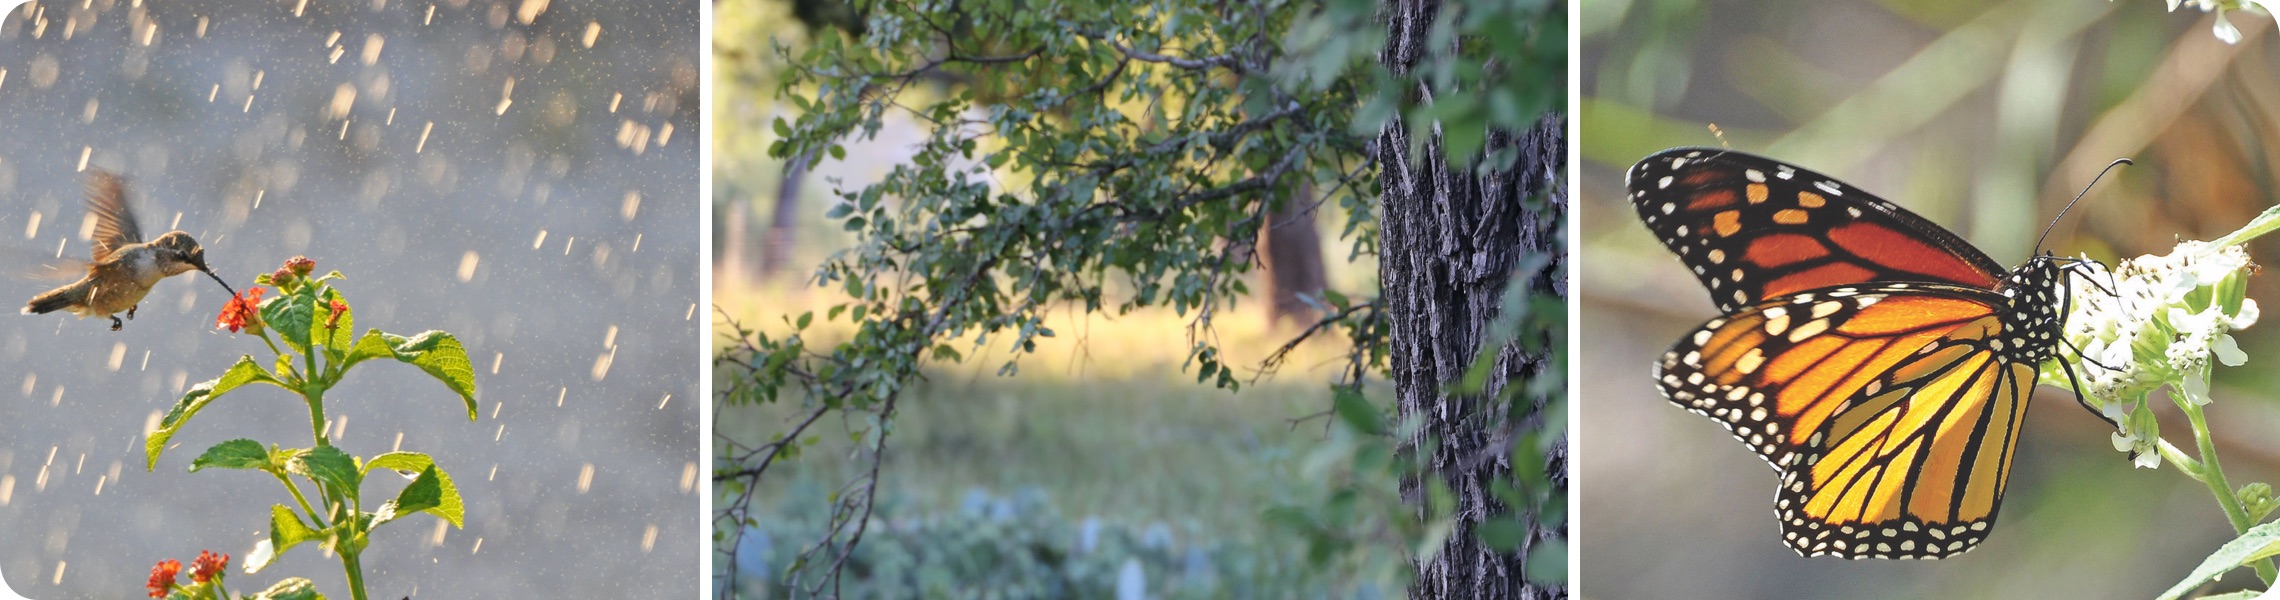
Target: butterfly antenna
{"x": 2077, "y": 198}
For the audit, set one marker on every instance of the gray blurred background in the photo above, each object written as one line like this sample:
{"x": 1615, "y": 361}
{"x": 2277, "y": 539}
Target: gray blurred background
{"x": 1985, "y": 117}
{"x": 546, "y": 217}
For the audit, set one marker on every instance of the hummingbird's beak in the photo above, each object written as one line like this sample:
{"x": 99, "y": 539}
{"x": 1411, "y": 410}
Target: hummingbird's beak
{"x": 217, "y": 279}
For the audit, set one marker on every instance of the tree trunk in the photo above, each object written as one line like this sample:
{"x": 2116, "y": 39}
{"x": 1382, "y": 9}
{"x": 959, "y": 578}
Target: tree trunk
{"x": 1293, "y": 259}
{"x": 1452, "y": 236}
{"x": 776, "y": 248}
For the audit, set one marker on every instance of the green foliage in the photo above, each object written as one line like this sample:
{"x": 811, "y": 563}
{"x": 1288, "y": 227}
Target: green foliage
{"x": 1098, "y": 157}
{"x": 1020, "y": 546}
{"x": 2258, "y": 543}
{"x": 314, "y": 321}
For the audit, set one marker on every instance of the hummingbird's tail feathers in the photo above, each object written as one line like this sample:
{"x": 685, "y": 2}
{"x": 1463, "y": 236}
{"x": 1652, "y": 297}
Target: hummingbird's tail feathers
{"x": 52, "y": 301}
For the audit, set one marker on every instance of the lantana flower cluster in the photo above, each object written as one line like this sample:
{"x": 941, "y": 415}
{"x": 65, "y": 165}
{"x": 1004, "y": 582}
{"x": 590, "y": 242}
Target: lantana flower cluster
{"x": 2154, "y": 322}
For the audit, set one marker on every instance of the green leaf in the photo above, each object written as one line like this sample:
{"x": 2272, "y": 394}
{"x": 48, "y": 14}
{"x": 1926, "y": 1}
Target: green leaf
{"x": 196, "y": 399}
{"x": 2258, "y": 543}
{"x": 783, "y": 129}
{"x": 445, "y": 501}
{"x": 1547, "y": 562}
{"x": 1356, "y": 410}
{"x": 329, "y": 466}
{"x": 290, "y": 589}
{"x": 342, "y": 335}
{"x": 436, "y": 352}
{"x": 1503, "y": 535}
{"x": 290, "y": 315}
{"x": 239, "y": 453}
{"x": 285, "y": 531}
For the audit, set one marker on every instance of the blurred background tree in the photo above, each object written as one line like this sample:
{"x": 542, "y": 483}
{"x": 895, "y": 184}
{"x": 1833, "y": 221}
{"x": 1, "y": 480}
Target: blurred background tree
{"x": 1983, "y": 117}
{"x": 986, "y": 163}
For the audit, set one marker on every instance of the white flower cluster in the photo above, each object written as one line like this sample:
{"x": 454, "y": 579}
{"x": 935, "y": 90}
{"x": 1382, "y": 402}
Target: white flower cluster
{"x": 2224, "y": 29}
{"x": 2155, "y": 321}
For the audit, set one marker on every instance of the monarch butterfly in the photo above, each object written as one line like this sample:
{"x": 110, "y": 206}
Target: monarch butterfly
{"x": 1879, "y": 362}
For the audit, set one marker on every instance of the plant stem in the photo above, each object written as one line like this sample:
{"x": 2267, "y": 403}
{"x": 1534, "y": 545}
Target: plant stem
{"x": 2214, "y": 475}
{"x": 304, "y": 501}
{"x": 355, "y": 574}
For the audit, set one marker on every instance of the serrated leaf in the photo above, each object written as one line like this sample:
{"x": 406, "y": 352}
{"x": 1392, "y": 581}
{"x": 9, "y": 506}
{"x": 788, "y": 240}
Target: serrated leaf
{"x": 239, "y": 453}
{"x": 290, "y": 589}
{"x": 291, "y": 315}
{"x": 285, "y": 531}
{"x": 445, "y": 503}
{"x": 196, "y": 399}
{"x": 329, "y": 466}
{"x": 436, "y": 352}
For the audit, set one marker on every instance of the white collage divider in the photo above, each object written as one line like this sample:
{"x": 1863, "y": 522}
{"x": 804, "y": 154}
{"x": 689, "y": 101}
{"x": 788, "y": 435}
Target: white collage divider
{"x": 5, "y": 593}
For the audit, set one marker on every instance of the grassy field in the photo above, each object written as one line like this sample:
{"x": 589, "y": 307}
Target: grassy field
{"x": 1100, "y": 424}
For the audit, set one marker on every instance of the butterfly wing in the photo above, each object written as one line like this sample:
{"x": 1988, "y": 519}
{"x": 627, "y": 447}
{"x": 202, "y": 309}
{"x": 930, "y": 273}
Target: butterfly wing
{"x": 1891, "y": 409}
{"x": 1753, "y": 228}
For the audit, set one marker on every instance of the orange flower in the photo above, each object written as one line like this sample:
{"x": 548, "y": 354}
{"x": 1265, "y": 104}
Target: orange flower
{"x": 239, "y": 311}
{"x": 338, "y": 307}
{"x": 208, "y": 566}
{"x": 162, "y": 577}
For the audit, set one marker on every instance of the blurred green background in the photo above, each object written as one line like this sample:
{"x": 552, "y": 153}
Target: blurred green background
{"x": 1985, "y": 117}
{"x": 1102, "y": 457}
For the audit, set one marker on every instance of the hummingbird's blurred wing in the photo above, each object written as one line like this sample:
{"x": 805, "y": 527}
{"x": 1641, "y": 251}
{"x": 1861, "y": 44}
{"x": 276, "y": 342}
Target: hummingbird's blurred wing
{"x": 27, "y": 264}
{"x": 115, "y": 224}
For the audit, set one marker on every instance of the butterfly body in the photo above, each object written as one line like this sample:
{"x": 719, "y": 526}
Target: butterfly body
{"x": 1878, "y": 362}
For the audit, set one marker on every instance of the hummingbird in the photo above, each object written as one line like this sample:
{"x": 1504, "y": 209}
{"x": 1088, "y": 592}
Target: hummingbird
{"x": 124, "y": 267}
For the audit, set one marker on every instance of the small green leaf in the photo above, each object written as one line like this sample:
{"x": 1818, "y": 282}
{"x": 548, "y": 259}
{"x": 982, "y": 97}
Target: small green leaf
{"x": 1356, "y": 410}
{"x": 329, "y": 466}
{"x": 290, "y": 589}
{"x": 445, "y": 501}
{"x": 239, "y": 453}
{"x": 196, "y": 399}
{"x": 285, "y": 531}
{"x": 783, "y": 129}
{"x": 1547, "y": 563}
{"x": 1503, "y": 535}
{"x": 342, "y": 335}
{"x": 837, "y": 152}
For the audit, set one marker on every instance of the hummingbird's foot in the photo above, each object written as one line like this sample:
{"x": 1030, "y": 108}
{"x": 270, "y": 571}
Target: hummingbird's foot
{"x": 116, "y": 324}
{"x": 131, "y": 311}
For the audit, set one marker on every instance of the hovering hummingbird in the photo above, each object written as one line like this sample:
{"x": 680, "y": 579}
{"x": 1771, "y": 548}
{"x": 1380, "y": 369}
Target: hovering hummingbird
{"x": 124, "y": 266}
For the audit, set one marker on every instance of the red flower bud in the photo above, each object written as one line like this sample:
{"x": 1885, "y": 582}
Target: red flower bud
{"x": 162, "y": 577}
{"x": 301, "y": 265}
{"x": 208, "y": 566}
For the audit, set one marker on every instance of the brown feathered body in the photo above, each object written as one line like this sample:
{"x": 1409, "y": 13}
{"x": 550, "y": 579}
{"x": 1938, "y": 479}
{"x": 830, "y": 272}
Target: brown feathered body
{"x": 124, "y": 267}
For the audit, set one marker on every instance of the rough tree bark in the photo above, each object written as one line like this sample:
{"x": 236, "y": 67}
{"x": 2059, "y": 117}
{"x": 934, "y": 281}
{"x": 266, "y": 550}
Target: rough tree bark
{"x": 1452, "y": 236}
{"x": 777, "y": 246}
{"x": 1293, "y": 258}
